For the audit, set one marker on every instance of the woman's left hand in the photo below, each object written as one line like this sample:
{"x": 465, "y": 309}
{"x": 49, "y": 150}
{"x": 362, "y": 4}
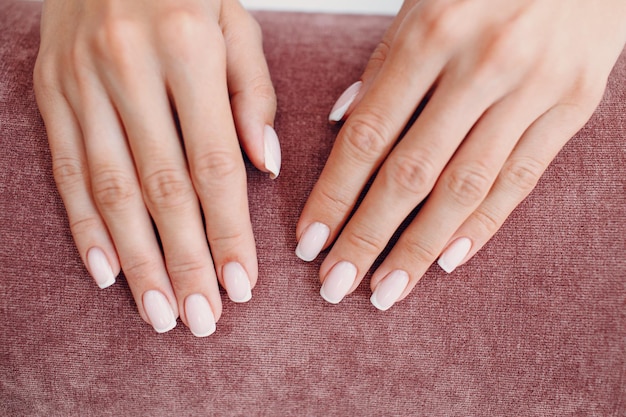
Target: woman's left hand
{"x": 510, "y": 83}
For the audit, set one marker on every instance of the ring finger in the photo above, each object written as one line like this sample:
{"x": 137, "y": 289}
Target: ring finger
{"x": 460, "y": 189}
{"x": 117, "y": 194}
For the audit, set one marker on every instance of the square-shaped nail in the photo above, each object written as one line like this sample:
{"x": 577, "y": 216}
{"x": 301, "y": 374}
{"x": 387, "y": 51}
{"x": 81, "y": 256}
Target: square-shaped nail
{"x": 312, "y": 241}
{"x": 237, "y": 282}
{"x": 100, "y": 268}
{"x": 389, "y": 290}
{"x": 452, "y": 257}
{"x": 338, "y": 282}
{"x": 199, "y": 315}
{"x": 159, "y": 311}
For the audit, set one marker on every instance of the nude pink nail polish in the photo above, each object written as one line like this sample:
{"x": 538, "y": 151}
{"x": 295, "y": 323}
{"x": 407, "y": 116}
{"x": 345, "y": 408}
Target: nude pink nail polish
{"x": 237, "y": 282}
{"x": 100, "y": 268}
{"x": 344, "y": 101}
{"x": 338, "y": 282}
{"x": 159, "y": 311}
{"x": 454, "y": 254}
{"x": 389, "y": 290}
{"x": 312, "y": 241}
{"x": 199, "y": 315}
{"x": 272, "y": 152}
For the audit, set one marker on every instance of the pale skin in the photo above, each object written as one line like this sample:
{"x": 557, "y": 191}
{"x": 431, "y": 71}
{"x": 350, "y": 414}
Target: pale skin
{"x": 109, "y": 76}
{"x": 511, "y": 83}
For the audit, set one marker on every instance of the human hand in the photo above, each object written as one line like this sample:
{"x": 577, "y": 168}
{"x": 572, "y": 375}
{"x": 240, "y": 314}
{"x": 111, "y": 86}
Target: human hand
{"x": 509, "y": 83}
{"x": 112, "y": 78}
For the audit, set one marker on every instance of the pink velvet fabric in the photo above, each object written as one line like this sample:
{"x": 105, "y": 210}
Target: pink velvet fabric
{"x": 535, "y": 325}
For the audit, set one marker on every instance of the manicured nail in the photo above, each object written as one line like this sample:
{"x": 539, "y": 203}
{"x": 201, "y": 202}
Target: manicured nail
{"x": 199, "y": 315}
{"x": 159, "y": 311}
{"x": 237, "y": 282}
{"x": 389, "y": 290}
{"x": 343, "y": 102}
{"x": 312, "y": 241}
{"x": 272, "y": 151}
{"x": 100, "y": 268}
{"x": 338, "y": 282}
{"x": 454, "y": 255}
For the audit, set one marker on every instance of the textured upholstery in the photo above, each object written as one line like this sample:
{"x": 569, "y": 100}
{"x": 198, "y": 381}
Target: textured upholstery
{"x": 535, "y": 325}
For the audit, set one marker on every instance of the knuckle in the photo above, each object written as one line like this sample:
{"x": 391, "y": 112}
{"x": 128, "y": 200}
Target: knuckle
{"x": 180, "y": 30}
{"x": 68, "y": 172}
{"x": 81, "y": 67}
{"x": 522, "y": 174}
{"x": 334, "y": 200}
{"x": 140, "y": 269}
{"x": 588, "y": 90}
{"x": 167, "y": 188}
{"x": 187, "y": 268}
{"x": 227, "y": 241}
{"x": 380, "y": 54}
{"x": 45, "y": 80}
{"x": 419, "y": 251}
{"x": 253, "y": 28}
{"x": 366, "y": 137}
{"x": 113, "y": 190}
{"x": 411, "y": 174}
{"x": 468, "y": 184}
{"x": 439, "y": 21}
{"x": 365, "y": 241}
{"x": 262, "y": 88}
{"x": 84, "y": 226}
{"x": 240, "y": 28}
{"x": 113, "y": 41}
{"x": 504, "y": 53}
{"x": 488, "y": 220}
{"x": 215, "y": 170}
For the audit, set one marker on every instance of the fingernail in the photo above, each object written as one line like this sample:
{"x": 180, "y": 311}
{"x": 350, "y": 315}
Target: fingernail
{"x": 272, "y": 151}
{"x": 343, "y": 102}
{"x": 454, "y": 254}
{"x": 237, "y": 282}
{"x": 389, "y": 290}
{"x": 312, "y": 241}
{"x": 159, "y": 311}
{"x": 199, "y": 315}
{"x": 338, "y": 282}
{"x": 100, "y": 268}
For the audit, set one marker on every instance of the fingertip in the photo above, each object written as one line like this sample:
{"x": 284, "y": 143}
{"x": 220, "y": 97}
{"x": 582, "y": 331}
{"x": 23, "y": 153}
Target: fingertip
{"x": 454, "y": 254}
{"x": 272, "y": 152}
{"x": 199, "y": 314}
{"x": 343, "y": 103}
{"x": 159, "y": 311}
{"x": 237, "y": 282}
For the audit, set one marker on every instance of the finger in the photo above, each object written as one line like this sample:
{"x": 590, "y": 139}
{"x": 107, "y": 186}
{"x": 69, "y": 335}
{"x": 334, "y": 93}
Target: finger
{"x": 406, "y": 178}
{"x": 140, "y": 95}
{"x": 351, "y": 97}
{"x": 461, "y": 188}
{"x": 519, "y": 176}
{"x": 252, "y": 95}
{"x": 71, "y": 174}
{"x": 362, "y": 144}
{"x": 365, "y": 140}
{"x": 117, "y": 194}
{"x": 215, "y": 162}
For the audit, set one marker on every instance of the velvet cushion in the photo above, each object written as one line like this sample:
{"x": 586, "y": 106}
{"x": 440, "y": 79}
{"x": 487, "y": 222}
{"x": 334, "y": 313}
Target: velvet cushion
{"x": 534, "y": 325}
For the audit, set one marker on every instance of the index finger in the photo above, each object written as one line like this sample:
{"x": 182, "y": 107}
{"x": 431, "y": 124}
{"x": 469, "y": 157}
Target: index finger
{"x": 365, "y": 140}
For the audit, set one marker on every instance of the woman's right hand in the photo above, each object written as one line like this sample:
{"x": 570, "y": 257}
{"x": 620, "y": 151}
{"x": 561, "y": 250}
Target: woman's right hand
{"x": 112, "y": 79}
